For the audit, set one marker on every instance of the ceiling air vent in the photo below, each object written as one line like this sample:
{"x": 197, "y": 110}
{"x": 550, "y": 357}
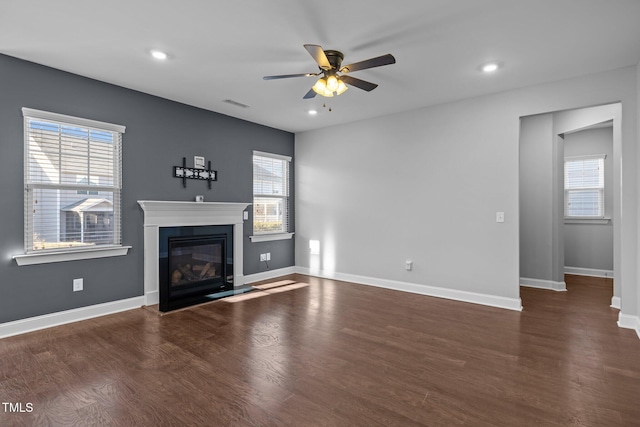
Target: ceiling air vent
{"x": 236, "y": 103}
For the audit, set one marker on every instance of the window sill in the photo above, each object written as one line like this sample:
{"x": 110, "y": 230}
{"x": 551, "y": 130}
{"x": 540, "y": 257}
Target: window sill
{"x": 270, "y": 237}
{"x": 587, "y": 220}
{"x": 70, "y": 255}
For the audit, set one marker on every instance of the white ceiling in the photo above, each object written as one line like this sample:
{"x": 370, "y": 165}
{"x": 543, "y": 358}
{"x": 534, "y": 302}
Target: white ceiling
{"x": 220, "y": 50}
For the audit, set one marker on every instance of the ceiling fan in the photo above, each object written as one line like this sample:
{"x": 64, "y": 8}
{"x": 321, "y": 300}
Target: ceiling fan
{"x": 330, "y": 62}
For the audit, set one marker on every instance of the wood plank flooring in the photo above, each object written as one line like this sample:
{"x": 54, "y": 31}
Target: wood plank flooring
{"x": 334, "y": 354}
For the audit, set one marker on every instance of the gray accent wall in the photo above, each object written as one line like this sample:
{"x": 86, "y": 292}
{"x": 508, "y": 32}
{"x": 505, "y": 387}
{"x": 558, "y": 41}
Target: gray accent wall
{"x": 159, "y": 133}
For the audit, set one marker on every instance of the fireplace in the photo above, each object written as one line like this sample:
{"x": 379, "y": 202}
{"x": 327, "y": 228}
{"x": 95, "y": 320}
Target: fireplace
{"x": 195, "y": 263}
{"x": 162, "y": 219}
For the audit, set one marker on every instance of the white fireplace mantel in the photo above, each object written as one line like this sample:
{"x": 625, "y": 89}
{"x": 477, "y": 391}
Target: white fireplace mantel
{"x": 159, "y": 213}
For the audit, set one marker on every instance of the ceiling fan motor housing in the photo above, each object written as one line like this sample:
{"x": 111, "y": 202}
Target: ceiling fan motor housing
{"x": 335, "y": 58}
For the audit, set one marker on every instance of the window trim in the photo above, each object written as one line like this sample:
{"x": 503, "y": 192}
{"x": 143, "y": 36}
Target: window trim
{"x": 587, "y": 220}
{"x": 70, "y": 254}
{"x": 273, "y": 235}
{"x": 60, "y": 255}
{"x": 89, "y": 123}
{"x": 268, "y": 237}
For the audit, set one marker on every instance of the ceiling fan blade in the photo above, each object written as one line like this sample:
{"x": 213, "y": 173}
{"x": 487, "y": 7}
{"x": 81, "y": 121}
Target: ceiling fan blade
{"x": 361, "y": 84}
{"x": 369, "y": 63}
{"x": 318, "y": 55}
{"x": 286, "y": 76}
{"x": 309, "y": 94}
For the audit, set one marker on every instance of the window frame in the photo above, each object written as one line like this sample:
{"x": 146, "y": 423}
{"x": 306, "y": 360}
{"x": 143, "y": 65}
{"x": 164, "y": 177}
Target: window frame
{"x": 39, "y": 256}
{"x": 600, "y": 188}
{"x": 261, "y": 236}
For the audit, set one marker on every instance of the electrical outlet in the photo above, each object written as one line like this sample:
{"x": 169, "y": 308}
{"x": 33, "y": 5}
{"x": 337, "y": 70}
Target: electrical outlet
{"x": 78, "y": 284}
{"x": 268, "y": 256}
{"x": 499, "y": 216}
{"x": 263, "y": 257}
{"x": 408, "y": 265}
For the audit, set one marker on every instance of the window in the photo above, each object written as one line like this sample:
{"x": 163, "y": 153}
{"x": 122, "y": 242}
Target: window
{"x": 584, "y": 187}
{"x": 270, "y": 193}
{"x": 72, "y": 183}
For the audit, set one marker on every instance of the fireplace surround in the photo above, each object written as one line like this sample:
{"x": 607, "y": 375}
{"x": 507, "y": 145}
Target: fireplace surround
{"x": 159, "y": 214}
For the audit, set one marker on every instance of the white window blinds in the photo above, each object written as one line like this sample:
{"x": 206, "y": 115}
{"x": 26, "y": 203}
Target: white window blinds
{"x": 72, "y": 182}
{"x": 270, "y": 193}
{"x": 584, "y": 187}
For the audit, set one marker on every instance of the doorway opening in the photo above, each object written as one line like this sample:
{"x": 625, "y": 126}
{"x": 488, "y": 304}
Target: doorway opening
{"x": 550, "y": 240}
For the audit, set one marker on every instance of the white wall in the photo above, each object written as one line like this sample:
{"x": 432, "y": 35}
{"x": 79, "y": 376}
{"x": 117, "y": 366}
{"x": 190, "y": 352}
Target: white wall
{"x": 425, "y": 185}
{"x": 590, "y": 245}
{"x": 536, "y": 187}
{"x": 637, "y": 260}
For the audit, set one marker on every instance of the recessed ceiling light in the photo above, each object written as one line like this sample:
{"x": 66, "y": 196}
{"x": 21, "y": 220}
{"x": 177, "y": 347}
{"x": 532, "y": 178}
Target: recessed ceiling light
{"x": 158, "y": 54}
{"x": 490, "y": 68}
{"x": 312, "y": 112}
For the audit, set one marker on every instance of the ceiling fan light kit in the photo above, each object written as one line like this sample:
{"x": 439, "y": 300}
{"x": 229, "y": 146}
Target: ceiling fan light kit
{"x": 330, "y": 63}
{"x": 329, "y": 86}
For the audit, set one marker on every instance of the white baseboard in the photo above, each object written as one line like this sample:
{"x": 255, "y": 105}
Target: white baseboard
{"x": 629, "y": 322}
{"x": 433, "y": 291}
{"x": 615, "y": 302}
{"x": 543, "y": 284}
{"x": 593, "y": 272}
{"x": 269, "y": 274}
{"x": 152, "y": 298}
{"x": 60, "y": 318}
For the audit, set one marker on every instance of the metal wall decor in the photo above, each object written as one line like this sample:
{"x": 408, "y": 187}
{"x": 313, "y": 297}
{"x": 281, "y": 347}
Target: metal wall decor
{"x": 194, "y": 173}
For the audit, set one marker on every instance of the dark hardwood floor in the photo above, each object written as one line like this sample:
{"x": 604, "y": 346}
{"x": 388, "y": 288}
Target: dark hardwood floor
{"x": 334, "y": 354}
